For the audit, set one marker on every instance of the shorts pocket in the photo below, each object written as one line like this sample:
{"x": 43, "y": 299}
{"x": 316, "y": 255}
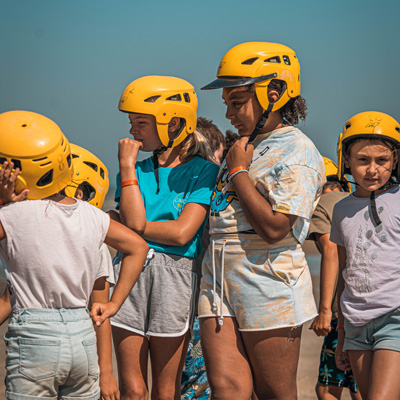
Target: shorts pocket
{"x": 91, "y": 354}
{"x": 38, "y": 359}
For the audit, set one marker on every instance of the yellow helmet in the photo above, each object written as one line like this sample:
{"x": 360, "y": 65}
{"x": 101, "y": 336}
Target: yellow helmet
{"x": 368, "y": 124}
{"x": 164, "y": 97}
{"x": 89, "y": 172}
{"x": 331, "y": 172}
{"x": 36, "y": 145}
{"x": 258, "y": 63}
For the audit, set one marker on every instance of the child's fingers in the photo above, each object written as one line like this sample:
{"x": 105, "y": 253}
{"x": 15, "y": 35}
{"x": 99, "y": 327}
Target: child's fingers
{"x": 22, "y": 196}
{"x": 97, "y": 314}
{"x": 7, "y": 172}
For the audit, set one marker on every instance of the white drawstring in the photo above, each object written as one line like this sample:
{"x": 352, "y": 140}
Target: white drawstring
{"x": 214, "y": 307}
{"x": 221, "y": 317}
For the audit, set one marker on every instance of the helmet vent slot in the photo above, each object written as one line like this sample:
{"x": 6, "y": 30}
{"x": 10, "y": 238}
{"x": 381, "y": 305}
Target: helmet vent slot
{"x": 102, "y": 173}
{"x": 175, "y": 97}
{"x": 286, "y": 60}
{"x": 69, "y": 160}
{"x": 152, "y": 99}
{"x": 39, "y": 159}
{"x": 91, "y": 165}
{"x": 397, "y": 129}
{"x": 2, "y": 160}
{"x": 250, "y": 61}
{"x": 24, "y": 125}
{"x": 186, "y": 96}
{"x": 17, "y": 164}
{"x": 74, "y": 155}
{"x": 275, "y": 60}
{"x": 62, "y": 142}
{"x": 348, "y": 126}
{"x": 43, "y": 165}
{"x": 46, "y": 179}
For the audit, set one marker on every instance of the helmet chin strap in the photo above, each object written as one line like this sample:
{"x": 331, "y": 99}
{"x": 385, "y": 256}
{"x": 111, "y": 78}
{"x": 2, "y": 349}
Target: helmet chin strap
{"x": 261, "y": 122}
{"x": 374, "y": 211}
{"x": 161, "y": 150}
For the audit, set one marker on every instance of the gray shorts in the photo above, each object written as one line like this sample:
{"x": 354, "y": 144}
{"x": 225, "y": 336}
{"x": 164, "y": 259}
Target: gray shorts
{"x": 162, "y": 302}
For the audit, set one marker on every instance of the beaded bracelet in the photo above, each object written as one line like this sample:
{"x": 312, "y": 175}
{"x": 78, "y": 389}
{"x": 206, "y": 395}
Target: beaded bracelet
{"x": 340, "y": 326}
{"x": 129, "y": 183}
{"x": 2, "y": 202}
{"x": 231, "y": 176}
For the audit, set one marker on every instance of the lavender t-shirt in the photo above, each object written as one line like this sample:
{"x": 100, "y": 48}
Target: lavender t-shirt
{"x": 372, "y": 273}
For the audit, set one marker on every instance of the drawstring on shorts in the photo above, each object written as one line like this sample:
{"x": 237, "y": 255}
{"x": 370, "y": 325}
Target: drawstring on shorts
{"x": 214, "y": 307}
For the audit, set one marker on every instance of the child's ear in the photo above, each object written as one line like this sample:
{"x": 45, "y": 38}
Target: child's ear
{"x": 174, "y": 124}
{"x": 346, "y": 161}
{"x": 273, "y": 96}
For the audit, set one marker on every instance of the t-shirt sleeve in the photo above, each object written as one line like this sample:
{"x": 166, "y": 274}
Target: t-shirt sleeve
{"x": 336, "y": 233}
{"x": 295, "y": 190}
{"x": 204, "y": 186}
{"x": 104, "y": 224}
{"x": 105, "y": 265}
{"x": 320, "y": 223}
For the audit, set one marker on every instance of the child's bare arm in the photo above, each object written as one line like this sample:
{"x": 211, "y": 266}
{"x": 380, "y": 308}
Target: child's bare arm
{"x": 329, "y": 271}
{"x": 180, "y": 231}
{"x": 342, "y": 360}
{"x": 132, "y": 211}
{"x": 272, "y": 226}
{"x": 135, "y": 250}
{"x": 108, "y": 384}
{"x": 5, "y": 307}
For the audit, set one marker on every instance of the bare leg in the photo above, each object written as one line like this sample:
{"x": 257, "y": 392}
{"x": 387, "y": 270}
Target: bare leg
{"x": 326, "y": 392}
{"x": 361, "y": 362}
{"x": 131, "y": 350}
{"x": 228, "y": 370}
{"x": 167, "y": 360}
{"x": 384, "y": 375}
{"x": 274, "y": 355}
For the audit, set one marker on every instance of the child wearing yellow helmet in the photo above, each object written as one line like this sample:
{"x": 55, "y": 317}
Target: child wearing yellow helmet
{"x": 165, "y": 199}
{"x": 52, "y": 245}
{"x": 365, "y": 229}
{"x": 256, "y": 284}
{"x": 331, "y": 380}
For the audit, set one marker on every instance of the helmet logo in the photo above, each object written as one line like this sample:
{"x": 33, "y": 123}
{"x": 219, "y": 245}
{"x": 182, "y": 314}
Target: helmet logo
{"x": 60, "y": 160}
{"x": 372, "y": 124}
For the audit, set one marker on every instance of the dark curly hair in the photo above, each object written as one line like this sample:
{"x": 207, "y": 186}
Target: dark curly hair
{"x": 295, "y": 109}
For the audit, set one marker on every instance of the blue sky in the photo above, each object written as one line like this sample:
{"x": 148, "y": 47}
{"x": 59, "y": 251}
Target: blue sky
{"x": 71, "y": 60}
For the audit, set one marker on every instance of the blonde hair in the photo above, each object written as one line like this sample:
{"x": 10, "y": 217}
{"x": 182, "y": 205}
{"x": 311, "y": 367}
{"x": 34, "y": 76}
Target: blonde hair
{"x": 196, "y": 145}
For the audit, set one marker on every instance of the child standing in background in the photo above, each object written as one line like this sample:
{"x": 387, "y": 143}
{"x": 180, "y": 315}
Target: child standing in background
{"x": 52, "y": 246}
{"x": 166, "y": 200}
{"x": 331, "y": 380}
{"x": 366, "y": 229}
{"x": 194, "y": 383}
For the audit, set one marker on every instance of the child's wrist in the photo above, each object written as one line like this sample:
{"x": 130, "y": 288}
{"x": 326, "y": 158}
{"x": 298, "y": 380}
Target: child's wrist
{"x": 237, "y": 170}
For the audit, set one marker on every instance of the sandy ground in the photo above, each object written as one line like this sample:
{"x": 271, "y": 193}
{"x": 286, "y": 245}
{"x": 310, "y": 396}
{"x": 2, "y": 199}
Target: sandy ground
{"x": 309, "y": 354}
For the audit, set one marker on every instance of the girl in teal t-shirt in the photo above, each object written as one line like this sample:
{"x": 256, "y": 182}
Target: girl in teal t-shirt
{"x": 165, "y": 199}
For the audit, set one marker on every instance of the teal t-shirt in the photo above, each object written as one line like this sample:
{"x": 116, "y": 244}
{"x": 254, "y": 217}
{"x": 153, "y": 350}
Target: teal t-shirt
{"x": 192, "y": 182}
